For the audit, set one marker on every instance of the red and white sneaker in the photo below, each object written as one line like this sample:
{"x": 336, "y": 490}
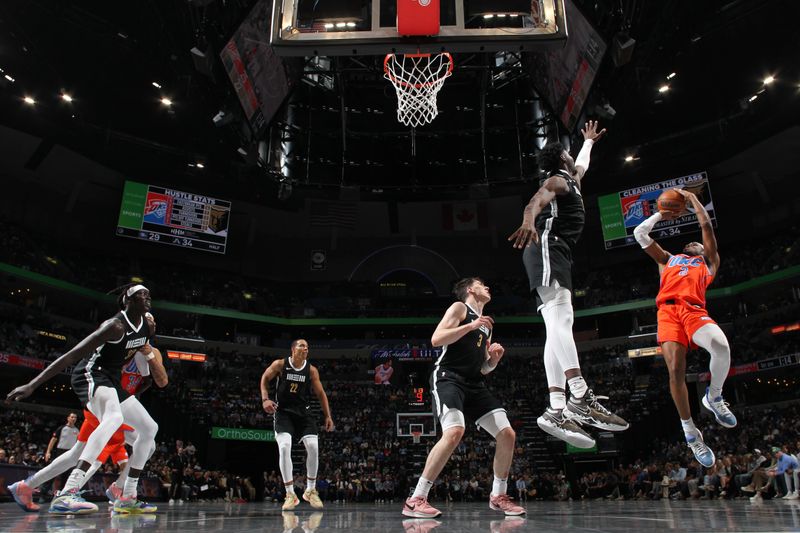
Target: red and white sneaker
{"x": 420, "y": 508}
{"x": 23, "y": 495}
{"x": 503, "y": 502}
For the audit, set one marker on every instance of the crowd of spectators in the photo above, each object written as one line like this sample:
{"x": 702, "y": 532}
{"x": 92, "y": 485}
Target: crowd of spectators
{"x": 593, "y": 286}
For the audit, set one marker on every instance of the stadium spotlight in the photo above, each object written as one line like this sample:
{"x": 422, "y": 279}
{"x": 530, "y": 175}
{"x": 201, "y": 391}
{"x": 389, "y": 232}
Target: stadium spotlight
{"x": 29, "y": 100}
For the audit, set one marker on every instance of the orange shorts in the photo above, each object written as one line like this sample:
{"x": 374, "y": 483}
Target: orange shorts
{"x": 678, "y": 322}
{"x": 115, "y": 447}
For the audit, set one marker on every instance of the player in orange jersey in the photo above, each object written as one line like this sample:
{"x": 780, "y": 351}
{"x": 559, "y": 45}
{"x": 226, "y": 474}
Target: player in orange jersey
{"x": 683, "y": 321}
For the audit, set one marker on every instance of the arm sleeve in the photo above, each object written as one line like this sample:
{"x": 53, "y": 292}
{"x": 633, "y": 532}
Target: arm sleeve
{"x": 642, "y": 231}
{"x": 583, "y": 156}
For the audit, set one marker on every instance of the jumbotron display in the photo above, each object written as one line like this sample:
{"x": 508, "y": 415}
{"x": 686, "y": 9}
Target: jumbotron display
{"x": 173, "y": 217}
{"x": 621, "y": 212}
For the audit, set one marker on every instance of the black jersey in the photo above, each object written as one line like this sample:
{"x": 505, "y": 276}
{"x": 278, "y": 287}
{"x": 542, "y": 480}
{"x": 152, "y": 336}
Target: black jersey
{"x": 293, "y": 387}
{"x": 564, "y": 216}
{"x": 111, "y": 356}
{"x": 466, "y": 356}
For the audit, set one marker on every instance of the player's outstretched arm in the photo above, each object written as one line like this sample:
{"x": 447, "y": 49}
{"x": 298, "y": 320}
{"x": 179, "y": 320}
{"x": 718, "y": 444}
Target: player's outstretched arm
{"x": 316, "y": 386}
{"x": 707, "y": 229}
{"x": 110, "y": 330}
{"x": 448, "y": 331}
{"x": 651, "y": 247}
{"x": 590, "y": 136}
{"x": 269, "y": 374}
{"x": 526, "y": 233}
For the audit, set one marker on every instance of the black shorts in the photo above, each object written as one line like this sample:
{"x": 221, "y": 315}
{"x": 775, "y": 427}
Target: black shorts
{"x": 547, "y": 262}
{"x": 451, "y": 391}
{"x": 85, "y": 382}
{"x": 295, "y": 424}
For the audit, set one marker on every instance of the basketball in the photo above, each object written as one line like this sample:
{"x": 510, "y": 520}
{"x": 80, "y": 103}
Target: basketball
{"x": 671, "y": 201}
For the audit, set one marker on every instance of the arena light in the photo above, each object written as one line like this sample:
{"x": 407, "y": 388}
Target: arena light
{"x": 752, "y": 98}
{"x": 489, "y": 16}
{"x": 329, "y": 25}
{"x": 768, "y": 80}
{"x": 156, "y": 85}
{"x": 341, "y": 24}
{"x": 663, "y": 89}
{"x": 9, "y": 78}
{"x": 66, "y": 97}
{"x": 628, "y": 158}
{"x": 351, "y": 24}
{"x": 29, "y": 100}
{"x": 671, "y": 75}
{"x": 200, "y": 165}
{"x": 166, "y": 101}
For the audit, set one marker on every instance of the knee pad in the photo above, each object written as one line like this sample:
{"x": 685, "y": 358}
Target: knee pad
{"x": 494, "y": 422}
{"x": 452, "y": 418}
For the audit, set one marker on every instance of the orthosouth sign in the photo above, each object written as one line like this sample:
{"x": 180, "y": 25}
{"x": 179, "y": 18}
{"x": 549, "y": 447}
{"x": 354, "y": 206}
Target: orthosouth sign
{"x": 258, "y": 435}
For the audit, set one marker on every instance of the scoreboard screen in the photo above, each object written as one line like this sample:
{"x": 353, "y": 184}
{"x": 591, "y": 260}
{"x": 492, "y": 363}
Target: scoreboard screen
{"x": 621, "y": 212}
{"x": 179, "y": 218}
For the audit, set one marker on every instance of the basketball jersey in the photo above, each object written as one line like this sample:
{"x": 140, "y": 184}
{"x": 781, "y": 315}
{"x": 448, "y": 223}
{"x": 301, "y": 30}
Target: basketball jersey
{"x": 563, "y": 218}
{"x": 132, "y": 377}
{"x": 293, "y": 387}
{"x": 466, "y": 356}
{"x": 113, "y": 354}
{"x": 686, "y": 278}
{"x": 383, "y": 373}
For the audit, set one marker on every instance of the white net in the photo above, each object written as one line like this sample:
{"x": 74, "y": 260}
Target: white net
{"x": 417, "y": 80}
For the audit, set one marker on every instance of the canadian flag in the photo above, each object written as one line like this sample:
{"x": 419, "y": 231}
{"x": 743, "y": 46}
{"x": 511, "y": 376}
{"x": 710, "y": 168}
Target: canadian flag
{"x": 464, "y": 216}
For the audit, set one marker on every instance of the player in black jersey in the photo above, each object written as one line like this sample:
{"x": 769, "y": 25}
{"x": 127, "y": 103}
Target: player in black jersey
{"x": 459, "y": 389}
{"x": 98, "y": 361}
{"x": 553, "y": 221}
{"x": 297, "y": 378}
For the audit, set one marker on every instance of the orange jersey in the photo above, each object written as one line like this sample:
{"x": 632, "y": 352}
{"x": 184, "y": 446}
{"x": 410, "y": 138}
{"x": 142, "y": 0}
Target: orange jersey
{"x": 685, "y": 278}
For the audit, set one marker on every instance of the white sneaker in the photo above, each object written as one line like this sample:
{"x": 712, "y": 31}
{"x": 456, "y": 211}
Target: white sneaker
{"x": 756, "y": 498}
{"x": 171, "y": 501}
{"x": 791, "y": 496}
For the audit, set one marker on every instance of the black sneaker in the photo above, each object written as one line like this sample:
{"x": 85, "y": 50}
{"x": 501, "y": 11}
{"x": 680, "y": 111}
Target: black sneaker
{"x": 589, "y": 411}
{"x": 556, "y": 424}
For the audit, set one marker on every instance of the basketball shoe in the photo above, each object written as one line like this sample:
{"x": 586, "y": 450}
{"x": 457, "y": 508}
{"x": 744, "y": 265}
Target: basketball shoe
{"x": 420, "y": 508}
{"x": 719, "y": 407}
{"x": 503, "y": 502}
{"x": 23, "y": 495}
{"x": 556, "y": 424}
{"x": 290, "y": 502}
{"x": 588, "y": 410}
{"x": 702, "y": 453}
{"x": 71, "y": 502}
{"x": 312, "y": 497}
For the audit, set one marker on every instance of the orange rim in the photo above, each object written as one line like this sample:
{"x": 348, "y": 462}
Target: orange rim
{"x": 402, "y": 83}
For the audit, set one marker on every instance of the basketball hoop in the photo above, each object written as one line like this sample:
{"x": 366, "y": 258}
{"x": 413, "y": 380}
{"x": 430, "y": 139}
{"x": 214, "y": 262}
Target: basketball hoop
{"x": 415, "y": 435}
{"x": 417, "y": 80}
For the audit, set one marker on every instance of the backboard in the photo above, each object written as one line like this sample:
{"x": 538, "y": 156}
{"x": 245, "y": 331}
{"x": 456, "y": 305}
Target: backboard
{"x": 369, "y": 27}
{"x": 422, "y": 423}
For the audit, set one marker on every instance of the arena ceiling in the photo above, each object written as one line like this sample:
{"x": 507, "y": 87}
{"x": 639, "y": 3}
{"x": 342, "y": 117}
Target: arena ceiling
{"x": 118, "y": 60}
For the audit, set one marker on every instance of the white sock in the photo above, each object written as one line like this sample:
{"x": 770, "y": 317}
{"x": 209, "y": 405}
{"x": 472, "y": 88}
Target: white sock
{"x": 311, "y": 484}
{"x": 423, "y": 487}
{"x": 129, "y": 490}
{"x": 75, "y": 480}
{"x": 558, "y": 400}
{"x": 499, "y": 486}
{"x": 577, "y": 387}
{"x": 289, "y": 488}
{"x": 689, "y": 428}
